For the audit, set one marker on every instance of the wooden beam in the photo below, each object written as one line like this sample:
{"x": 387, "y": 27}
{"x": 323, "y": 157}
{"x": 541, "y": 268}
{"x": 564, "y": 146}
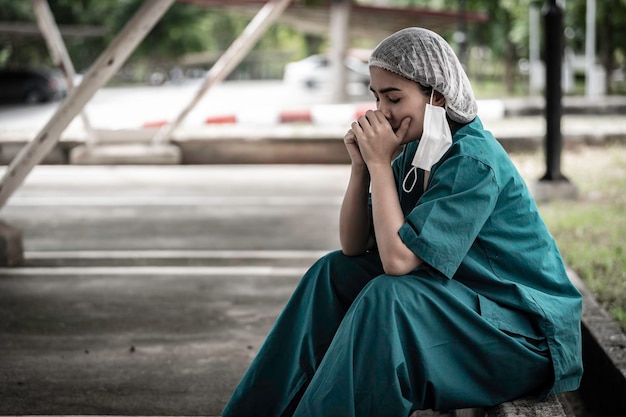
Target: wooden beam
{"x": 18, "y": 29}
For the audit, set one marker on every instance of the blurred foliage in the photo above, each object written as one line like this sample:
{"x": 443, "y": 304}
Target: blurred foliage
{"x": 496, "y": 47}
{"x": 184, "y": 29}
{"x": 506, "y": 35}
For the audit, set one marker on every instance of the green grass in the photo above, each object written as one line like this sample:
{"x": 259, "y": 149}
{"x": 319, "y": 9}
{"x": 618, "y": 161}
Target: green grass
{"x": 591, "y": 231}
{"x": 591, "y": 240}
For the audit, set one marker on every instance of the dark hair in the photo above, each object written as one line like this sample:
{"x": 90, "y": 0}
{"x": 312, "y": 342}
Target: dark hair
{"x": 426, "y": 90}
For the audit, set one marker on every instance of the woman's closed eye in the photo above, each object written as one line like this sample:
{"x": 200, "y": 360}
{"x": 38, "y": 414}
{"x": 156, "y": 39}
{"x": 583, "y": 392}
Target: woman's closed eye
{"x": 391, "y": 100}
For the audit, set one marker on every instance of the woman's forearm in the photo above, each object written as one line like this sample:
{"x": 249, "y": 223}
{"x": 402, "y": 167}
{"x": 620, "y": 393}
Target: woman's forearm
{"x": 354, "y": 223}
{"x": 396, "y": 257}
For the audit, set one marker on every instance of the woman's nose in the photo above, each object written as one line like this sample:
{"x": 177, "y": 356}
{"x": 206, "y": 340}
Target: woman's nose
{"x": 384, "y": 110}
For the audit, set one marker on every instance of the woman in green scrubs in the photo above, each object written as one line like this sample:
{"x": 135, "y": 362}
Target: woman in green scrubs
{"x": 448, "y": 292}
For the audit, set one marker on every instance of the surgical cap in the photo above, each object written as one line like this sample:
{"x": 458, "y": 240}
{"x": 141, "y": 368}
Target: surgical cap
{"x": 425, "y": 57}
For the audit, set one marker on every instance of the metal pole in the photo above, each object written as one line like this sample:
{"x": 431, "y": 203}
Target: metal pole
{"x": 553, "y": 29}
{"x": 228, "y": 61}
{"x": 60, "y": 56}
{"x": 103, "y": 69}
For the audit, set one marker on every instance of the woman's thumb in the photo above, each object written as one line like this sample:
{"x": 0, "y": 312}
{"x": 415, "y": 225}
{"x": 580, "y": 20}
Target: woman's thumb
{"x": 404, "y": 127}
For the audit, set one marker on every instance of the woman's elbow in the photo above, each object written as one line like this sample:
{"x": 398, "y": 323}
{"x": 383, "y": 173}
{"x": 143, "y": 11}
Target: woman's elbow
{"x": 395, "y": 270}
{"x": 399, "y": 265}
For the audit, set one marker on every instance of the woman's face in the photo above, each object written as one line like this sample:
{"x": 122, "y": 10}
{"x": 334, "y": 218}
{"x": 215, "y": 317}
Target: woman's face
{"x": 398, "y": 98}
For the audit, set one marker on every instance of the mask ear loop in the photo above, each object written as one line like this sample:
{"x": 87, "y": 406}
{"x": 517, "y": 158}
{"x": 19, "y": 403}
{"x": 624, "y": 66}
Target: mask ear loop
{"x": 413, "y": 171}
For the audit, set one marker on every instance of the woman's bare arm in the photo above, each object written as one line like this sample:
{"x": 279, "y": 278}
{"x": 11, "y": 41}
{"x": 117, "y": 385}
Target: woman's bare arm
{"x": 354, "y": 221}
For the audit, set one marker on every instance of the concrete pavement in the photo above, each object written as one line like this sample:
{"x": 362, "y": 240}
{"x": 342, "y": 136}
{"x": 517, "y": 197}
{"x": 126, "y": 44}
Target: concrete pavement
{"x": 147, "y": 290}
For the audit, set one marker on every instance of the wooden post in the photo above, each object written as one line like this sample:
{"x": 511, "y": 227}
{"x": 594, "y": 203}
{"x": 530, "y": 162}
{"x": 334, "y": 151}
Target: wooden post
{"x": 339, "y": 21}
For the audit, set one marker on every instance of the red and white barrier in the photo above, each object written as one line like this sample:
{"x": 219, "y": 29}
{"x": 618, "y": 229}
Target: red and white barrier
{"x": 321, "y": 115}
{"x": 327, "y": 114}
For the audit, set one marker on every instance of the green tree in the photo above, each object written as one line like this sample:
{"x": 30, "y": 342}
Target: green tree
{"x": 506, "y": 34}
{"x": 32, "y": 50}
{"x": 16, "y": 50}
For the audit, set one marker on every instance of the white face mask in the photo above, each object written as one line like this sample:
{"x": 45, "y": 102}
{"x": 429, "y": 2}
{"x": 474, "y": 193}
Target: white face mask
{"x": 436, "y": 140}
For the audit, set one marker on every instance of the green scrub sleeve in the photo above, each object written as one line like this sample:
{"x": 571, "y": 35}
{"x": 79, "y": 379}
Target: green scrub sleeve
{"x": 444, "y": 224}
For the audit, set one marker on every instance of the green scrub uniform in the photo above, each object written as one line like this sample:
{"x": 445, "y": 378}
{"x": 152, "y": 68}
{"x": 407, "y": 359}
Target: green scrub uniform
{"x": 490, "y": 316}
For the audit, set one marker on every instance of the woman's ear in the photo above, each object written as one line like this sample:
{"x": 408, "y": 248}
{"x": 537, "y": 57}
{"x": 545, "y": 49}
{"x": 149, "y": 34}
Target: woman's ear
{"x": 438, "y": 99}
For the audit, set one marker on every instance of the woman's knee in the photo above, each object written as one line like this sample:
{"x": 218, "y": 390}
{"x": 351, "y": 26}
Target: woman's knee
{"x": 346, "y": 275}
{"x": 326, "y": 270}
{"x": 413, "y": 292}
{"x": 325, "y": 266}
{"x": 382, "y": 290}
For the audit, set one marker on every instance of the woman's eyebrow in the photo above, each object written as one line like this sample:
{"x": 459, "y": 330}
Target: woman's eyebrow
{"x": 385, "y": 90}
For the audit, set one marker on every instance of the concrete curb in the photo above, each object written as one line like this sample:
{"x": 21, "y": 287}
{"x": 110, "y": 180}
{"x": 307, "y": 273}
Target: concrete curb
{"x": 283, "y": 144}
{"x": 551, "y": 407}
{"x": 603, "y": 387}
{"x": 572, "y": 105}
{"x": 313, "y": 134}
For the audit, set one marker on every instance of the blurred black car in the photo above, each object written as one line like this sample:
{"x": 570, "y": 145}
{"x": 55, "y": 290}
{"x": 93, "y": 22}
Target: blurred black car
{"x": 31, "y": 85}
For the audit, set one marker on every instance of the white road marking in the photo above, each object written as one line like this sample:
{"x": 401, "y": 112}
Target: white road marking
{"x": 176, "y": 254}
{"x": 165, "y": 200}
{"x": 157, "y": 271}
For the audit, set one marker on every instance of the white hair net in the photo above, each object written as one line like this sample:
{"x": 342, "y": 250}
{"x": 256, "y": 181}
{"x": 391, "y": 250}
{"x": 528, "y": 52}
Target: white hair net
{"x": 425, "y": 57}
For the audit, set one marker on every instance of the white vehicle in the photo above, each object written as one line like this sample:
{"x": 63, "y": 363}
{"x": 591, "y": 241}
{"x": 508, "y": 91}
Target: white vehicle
{"x": 314, "y": 72}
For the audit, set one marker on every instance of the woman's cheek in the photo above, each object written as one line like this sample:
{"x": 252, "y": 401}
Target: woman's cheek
{"x": 414, "y": 132}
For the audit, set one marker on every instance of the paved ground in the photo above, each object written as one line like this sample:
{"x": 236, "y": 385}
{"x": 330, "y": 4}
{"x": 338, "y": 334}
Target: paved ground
{"x": 146, "y": 291}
